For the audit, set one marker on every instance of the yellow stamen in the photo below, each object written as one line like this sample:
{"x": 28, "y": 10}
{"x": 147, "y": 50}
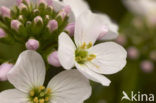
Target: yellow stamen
{"x": 35, "y": 100}
{"x": 46, "y": 99}
{"x": 89, "y": 45}
{"x": 83, "y": 46}
{"x": 41, "y": 88}
{"x": 91, "y": 57}
{"x": 48, "y": 90}
{"x": 41, "y": 101}
{"x": 32, "y": 93}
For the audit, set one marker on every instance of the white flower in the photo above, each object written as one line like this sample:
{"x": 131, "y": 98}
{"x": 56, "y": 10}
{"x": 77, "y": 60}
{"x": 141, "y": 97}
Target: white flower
{"x": 28, "y": 76}
{"x": 109, "y": 30}
{"x": 92, "y": 61}
{"x": 145, "y": 8}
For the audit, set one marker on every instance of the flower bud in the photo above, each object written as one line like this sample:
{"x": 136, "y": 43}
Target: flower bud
{"x": 4, "y": 69}
{"x": 52, "y": 25}
{"x": 67, "y": 9}
{"x": 38, "y": 19}
{"x": 2, "y": 33}
{"x": 53, "y": 59}
{"x": 22, "y": 7}
{"x": 62, "y": 14}
{"x": 20, "y": 18}
{"x": 42, "y": 2}
{"x": 121, "y": 39}
{"x": 32, "y": 44}
{"x": 15, "y": 24}
{"x": 5, "y": 12}
{"x": 21, "y": 1}
{"x": 70, "y": 28}
{"x": 147, "y": 66}
{"x": 133, "y": 53}
{"x": 50, "y": 2}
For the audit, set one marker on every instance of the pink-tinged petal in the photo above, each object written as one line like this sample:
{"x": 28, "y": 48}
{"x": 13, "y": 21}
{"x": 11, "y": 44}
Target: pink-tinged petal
{"x": 28, "y": 72}
{"x": 110, "y": 58}
{"x": 53, "y": 59}
{"x": 66, "y": 51}
{"x": 73, "y": 88}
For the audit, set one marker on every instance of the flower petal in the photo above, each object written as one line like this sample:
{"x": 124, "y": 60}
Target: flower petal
{"x": 28, "y": 72}
{"x": 69, "y": 87}
{"x": 59, "y": 5}
{"x": 78, "y": 6}
{"x": 7, "y": 3}
{"x": 86, "y": 28}
{"x": 112, "y": 27}
{"x": 92, "y": 75}
{"x": 66, "y": 51}
{"x": 110, "y": 58}
{"x": 13, "y": 96}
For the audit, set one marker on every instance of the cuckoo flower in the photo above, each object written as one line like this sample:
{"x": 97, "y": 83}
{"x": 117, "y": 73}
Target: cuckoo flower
{"x": 108, "y": 29}
{"x": 28, "y": 76}
{"x": 90, "y": 60}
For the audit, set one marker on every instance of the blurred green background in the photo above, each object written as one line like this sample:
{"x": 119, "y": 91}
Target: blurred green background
{"x": 131, "y": 78}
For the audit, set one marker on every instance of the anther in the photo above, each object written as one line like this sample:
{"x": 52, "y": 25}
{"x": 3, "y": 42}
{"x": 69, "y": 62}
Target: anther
{"x": 36, "y": 100}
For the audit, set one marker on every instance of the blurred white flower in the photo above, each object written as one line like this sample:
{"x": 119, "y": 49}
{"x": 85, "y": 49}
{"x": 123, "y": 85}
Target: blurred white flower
{"x": 145, "y": 8}
{"x": 109, "y": 30}
{"x": 92, "y": 61}
{"x": 28, "y": 76}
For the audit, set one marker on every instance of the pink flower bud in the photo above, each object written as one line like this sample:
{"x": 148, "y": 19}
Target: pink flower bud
{"x": 70, "y": 28}
{"x": 15, "y": 24}
{"x": 133, "y": 53}
{"x": 21, "y": 1}
{"x": 4, "y": 69}
{"x": 121, "y": 39}
{"x": 42, "y": 2}
{"x": 67, "y": 9}
{"x": 52, "y": 25}
{"x": 53, "y": 59}
{"x": 5, "y": 12}
{"x": 62, "y": 14}
{"x": 32, "y": 44}
{"x": 147, "y": 66}
{"x": 2, "y": 33}
{"x": 22, "y": 6}
{"x": 103, "y": 31}
{"x": 47, "y": 17}
{"x": 49, "y": 2}
{"x": 38, "y": 19}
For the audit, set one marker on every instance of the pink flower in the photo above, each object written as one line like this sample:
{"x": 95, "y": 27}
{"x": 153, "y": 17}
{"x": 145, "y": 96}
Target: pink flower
{"x": 2, "y": 33}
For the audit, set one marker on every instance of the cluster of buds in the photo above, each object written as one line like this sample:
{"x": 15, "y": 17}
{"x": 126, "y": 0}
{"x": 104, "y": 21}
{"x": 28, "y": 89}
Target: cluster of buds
{"x": 35, "y": 27}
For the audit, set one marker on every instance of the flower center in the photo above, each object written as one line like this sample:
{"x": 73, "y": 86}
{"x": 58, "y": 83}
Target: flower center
{"x": 40, "y": 95}
{"x": 82, "y": 55}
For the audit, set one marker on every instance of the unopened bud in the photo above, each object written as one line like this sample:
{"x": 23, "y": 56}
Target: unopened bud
{"x": 53, "y": 59}
{"x": 21, "y": 1}
{"x": 15, "y": 24}
{"x": 121, "y": 39}
{"x": 147, "y": 66}
{"x": 67, "y": 9}
{"x": 62, "y": 14}
{"x": 2, "y": 33}
{"x": 70, "y": 28}
{"x": 52, "y": 25}
{"x": 38, "y": 19}
{"x": 4, "y": 69}
{"x": 5, "y": 12}
{"x": 42, "y": 2}
{"x": 32, "y": 44}
{"x": 49, "y": 2}
{"x": 22, "y": 7}
{"x": 132, "y": 53}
